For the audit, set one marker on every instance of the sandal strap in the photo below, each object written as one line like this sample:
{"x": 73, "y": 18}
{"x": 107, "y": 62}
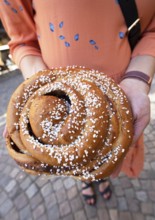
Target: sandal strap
{"x": 86, "y": 197}
{"x": 107, "y": 190}
{"x": 103, "y": 180}
{"x": 87, "y": 185}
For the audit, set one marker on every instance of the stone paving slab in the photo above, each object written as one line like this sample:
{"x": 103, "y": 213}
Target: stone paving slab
{"x": 25, "y": 197}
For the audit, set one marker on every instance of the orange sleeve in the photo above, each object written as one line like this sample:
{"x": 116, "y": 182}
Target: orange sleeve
{"x": 146, "y": 45}
{"x": 17, "y": 18}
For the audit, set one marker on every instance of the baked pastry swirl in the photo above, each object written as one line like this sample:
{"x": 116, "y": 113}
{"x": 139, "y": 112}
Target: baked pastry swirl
{"x": 69, "y": 121}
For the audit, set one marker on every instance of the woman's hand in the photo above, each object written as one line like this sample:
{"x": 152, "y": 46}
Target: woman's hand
{"x": 29, "y": 65}
{"x": 137, "y": 94}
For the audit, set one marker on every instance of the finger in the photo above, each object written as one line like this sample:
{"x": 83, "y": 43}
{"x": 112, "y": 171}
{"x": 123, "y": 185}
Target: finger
{"x": 5, "y": 133}
{"x": 139, "y": 127}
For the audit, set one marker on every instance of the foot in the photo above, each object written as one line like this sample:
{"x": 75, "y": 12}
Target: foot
{"x": 105, "y": 189}
{"x": 88, "y": 193}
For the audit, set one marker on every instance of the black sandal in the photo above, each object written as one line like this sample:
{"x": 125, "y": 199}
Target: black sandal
{"x": 88, "y": 197}
{"x": 106, "y": 190}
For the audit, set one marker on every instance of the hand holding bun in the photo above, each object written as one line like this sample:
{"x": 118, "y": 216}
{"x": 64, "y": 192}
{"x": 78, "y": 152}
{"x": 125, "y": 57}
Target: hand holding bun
{"x": 69, "y": 121}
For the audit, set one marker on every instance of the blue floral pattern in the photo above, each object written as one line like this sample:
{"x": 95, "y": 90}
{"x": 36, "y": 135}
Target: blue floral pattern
{"x": 121, "y": 35}
{"x": 76, "y": 36}
{"x": 60, "y": 25}
{"x": 13, "y": 9}
{"x": 51, "y": 27}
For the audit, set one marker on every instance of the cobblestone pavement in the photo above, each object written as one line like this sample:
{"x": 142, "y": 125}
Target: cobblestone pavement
{"x": 25, "y": 197}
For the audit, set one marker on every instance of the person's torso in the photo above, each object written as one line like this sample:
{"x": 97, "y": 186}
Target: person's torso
{"x": 86, "y": 33}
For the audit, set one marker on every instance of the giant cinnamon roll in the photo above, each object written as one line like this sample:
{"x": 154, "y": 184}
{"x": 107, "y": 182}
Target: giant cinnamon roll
{"x": 69, "y": 121}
